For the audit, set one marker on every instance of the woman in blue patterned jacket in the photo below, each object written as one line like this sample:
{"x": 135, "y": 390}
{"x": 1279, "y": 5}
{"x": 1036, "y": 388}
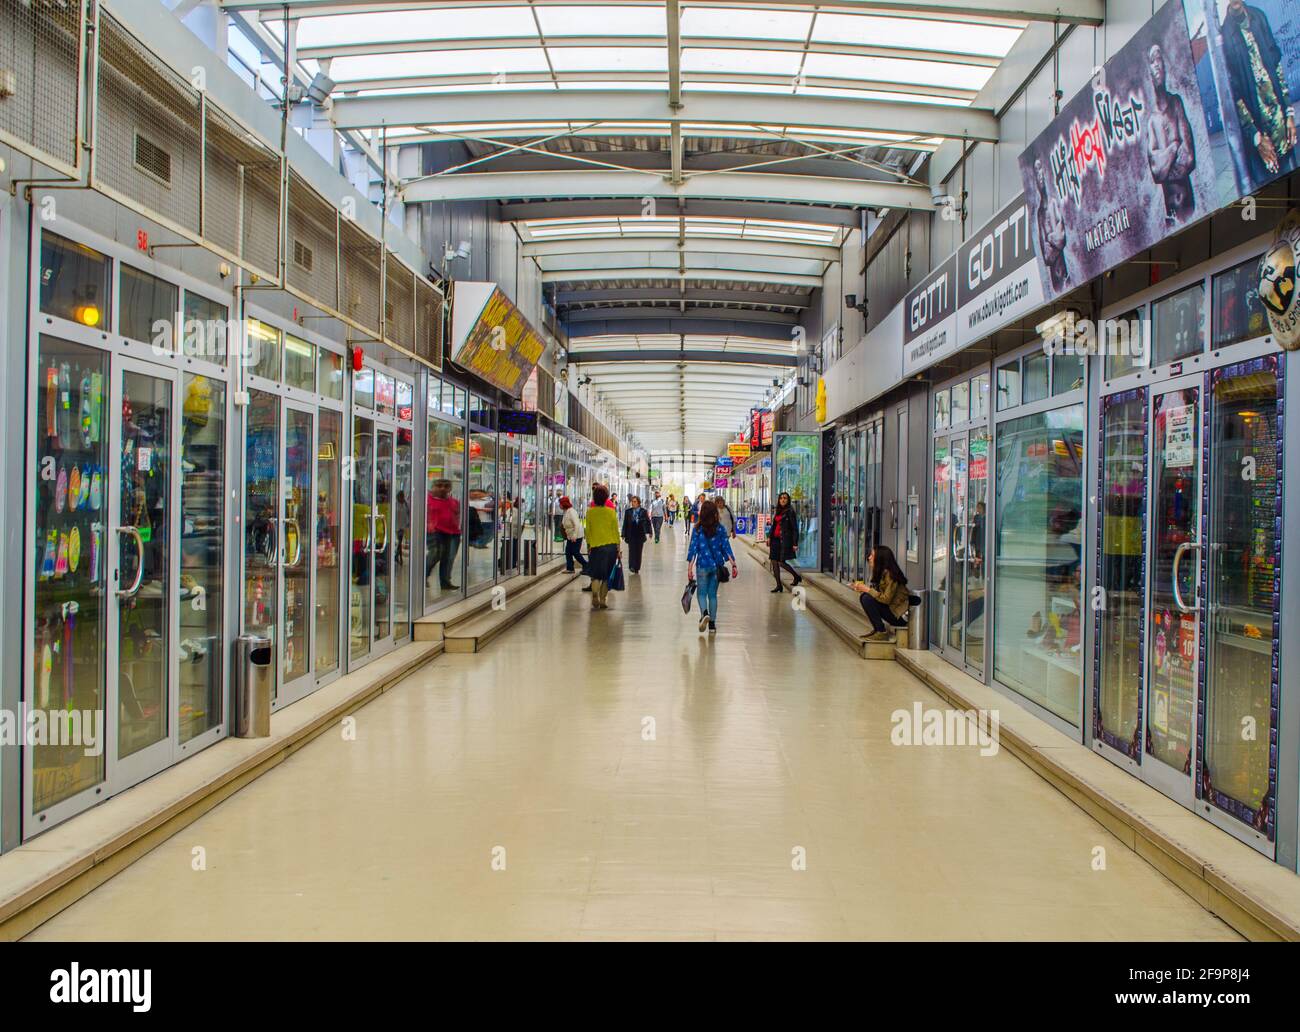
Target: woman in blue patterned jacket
{"x": 709, "y": 552}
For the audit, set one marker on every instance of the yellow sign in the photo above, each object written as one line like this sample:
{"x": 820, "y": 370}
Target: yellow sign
{"x": 821, "y": 400}
{"x": 502, "y": 347}
{"x": 738, "y": 452}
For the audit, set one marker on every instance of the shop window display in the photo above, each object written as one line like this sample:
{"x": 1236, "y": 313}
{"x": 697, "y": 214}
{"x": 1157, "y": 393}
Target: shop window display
{"x": 148, "y": 309}
{"x": 329, "y": 452}
{"x": 205, "y": 328}
{"x": 69, "y": 560}
{"x": 262, "y": 354}
{"x": 1179, "y": 325}
{"x": 1009, "y": 385}
{"x": 1238, "y": 313}
{"x": 75, "y": 282}
{"x": 1038, "y": 556}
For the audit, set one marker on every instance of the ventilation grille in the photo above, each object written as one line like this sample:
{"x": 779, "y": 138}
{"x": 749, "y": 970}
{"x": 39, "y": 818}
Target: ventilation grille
{"x": 428, "y": 324}
{"x": 241, "y": 200}
{"x": 39, "y": 51}
{"x": 399, "y": 321}
{"x": 313, "y": 229}
{"x": 152, "y": 159}
{"x": 360, "y": 282}
{"x": 142, "y": 101}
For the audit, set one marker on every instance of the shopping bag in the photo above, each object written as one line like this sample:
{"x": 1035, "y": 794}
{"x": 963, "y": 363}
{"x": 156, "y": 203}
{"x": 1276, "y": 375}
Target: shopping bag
{"x": 724, "y": 574}
{"x": 687, "y": 595}
{"x": 616, "y": 582}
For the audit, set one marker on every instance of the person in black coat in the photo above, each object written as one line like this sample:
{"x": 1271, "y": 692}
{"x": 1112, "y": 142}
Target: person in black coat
{"x": 783, "y": 541}
{"x": 1268, "y": 123}
{"x": 636, "y": 528}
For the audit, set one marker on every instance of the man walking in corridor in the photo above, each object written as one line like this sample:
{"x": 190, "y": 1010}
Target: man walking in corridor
{"x": 657, "y": 509}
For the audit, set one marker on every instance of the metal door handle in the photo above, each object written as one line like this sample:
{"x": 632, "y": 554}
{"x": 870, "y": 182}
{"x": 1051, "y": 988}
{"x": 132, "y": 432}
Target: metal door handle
{"x": 139, "y": 568}
{"x": 368, "y": 546}
{"x": 381, "y": 518}
{"x": 1178, "y": 594}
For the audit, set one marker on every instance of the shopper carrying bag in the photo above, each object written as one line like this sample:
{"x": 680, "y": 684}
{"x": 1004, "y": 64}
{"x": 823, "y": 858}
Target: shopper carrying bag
{"x": 710, "y": 551}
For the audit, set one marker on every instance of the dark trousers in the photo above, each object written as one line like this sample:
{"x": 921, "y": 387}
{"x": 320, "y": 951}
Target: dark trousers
{"x": 572, "y": 554}
{"x": 658, "y": 522}
{"x": 878, "y": 613}
{"x": 442, "y": 549}
{"x": 634, "y": 548}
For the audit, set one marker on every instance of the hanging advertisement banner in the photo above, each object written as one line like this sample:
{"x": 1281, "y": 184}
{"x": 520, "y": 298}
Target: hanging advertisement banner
{"x": 738, "y": 452}
{"x": 1127, "y": 161}
{"x": 768, "y": 426}
{"x": 998, "y": 276}
{"x": 930, "y": 319}
{"x": 491, "y": 338}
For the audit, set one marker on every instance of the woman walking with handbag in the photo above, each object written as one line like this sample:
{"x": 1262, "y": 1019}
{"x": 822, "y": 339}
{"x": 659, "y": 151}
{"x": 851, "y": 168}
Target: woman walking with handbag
{"x": 603, "y": 549}
{"x": 783, "y": 541}
{"x": 706, "y": 563}
{"x": 571, "y": 526}
{"x": 636, "y": 528}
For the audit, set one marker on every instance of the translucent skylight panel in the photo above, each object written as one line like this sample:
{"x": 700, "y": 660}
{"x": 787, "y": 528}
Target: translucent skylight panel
{"x": 617, "y": 84}
{"x": 609, "y": 59}
{"x": 892, "y": 69}
{"x": 916, "y": 33}
{"x": 910, "y": 98}
{"x": 739, "y": 87}
{"x": 448, "y": 23}
{"x": 761, "y": 62}
{"x": 447, "y": 62}
{"x": 604, "y": 20}
{"x": 747, "y": 23}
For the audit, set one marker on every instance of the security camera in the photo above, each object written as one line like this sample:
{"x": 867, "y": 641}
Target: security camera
{"x": 850, "y": 300}
{"x": 462, "y": 251}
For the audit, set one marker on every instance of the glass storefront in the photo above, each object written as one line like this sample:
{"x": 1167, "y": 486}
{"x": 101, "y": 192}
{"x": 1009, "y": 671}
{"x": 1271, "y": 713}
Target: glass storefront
{"x": 444, "y": 508}
{"x": 796, "y": 469}
{"x": 1038, "y": 559}
{"x": 127, "y": 515}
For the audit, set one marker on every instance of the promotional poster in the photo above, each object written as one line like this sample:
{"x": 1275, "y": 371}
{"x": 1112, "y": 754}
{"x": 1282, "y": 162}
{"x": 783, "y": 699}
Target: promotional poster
{"x": 1248, "y": 54}
{"x": 1126, "y": 163}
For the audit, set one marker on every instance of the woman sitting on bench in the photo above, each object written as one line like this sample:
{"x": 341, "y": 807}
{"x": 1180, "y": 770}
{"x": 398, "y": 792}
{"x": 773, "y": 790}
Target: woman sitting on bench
{"x": 886, "y": 599}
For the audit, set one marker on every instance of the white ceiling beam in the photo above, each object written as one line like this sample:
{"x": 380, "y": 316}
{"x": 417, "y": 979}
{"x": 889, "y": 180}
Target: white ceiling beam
{"x": 654, "y": 244}
{"x": 709, "y": 275}
{"x": 755, "y": 186}
{"x": 435, "y": 46}
{"x": 721, "y": 107}
{"x": 1074, "y": 12}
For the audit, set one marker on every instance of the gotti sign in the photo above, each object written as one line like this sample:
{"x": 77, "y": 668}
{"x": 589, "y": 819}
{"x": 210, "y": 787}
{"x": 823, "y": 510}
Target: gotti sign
{"x": 1277, "y": 290}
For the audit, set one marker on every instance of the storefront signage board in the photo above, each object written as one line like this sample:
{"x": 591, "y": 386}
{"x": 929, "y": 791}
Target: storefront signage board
{"x": 930, "y": 319}
{"x": 491, "y": 338}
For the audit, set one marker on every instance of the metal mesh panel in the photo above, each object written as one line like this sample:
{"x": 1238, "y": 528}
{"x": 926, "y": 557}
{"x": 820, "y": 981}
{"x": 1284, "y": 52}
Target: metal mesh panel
{"x": 360, "y": 300}
{"x": 241, "y": 194}
{"x": 399, "y": 300}
{"x": 38, "y": 74}
{"x": 312, "y": 246}
{"x": 428, "y": 324}
{"x": 148, "y": 144}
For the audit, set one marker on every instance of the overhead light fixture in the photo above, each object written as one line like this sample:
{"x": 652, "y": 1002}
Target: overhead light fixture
{"x": 320, "y": 88}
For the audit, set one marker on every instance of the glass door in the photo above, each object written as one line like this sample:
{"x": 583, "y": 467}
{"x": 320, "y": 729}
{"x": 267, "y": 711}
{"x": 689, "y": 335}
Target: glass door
{"x": 203, "y": 592}
{"x": 957, "y": 557}
{"x": 1121, "y": 615}
{"x": 1173, "y": 646}
{"x": 327, "y": 553}
{"x": 976, "y": 545}
{"x": 142, "y": 612}
{"x": 840, "y": 509}
{"x": 1238, "y": 766}
{"x": 382, "y": 541}
{"x": 359, "y": 590}
{"x": 401, "y": 545}
{"x": 262, "y": 515}
{"x": 941, "y": 472}
{"x": 294, "y": 551}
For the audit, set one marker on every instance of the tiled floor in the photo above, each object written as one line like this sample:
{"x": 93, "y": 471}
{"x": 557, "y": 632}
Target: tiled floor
{"x": 771, "y": 740}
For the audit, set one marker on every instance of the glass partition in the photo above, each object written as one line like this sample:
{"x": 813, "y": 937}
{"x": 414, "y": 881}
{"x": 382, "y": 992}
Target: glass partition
{"x": 329, "y": 508}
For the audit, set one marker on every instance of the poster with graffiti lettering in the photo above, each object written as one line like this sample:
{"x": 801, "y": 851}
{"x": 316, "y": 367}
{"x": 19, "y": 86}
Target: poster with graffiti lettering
{"x": 1127, "y": 161}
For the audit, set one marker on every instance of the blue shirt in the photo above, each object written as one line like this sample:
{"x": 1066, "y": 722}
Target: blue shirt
{"x": 707, "y": 552}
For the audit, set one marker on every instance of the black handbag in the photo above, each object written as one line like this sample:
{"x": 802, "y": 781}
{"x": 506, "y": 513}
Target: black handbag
{"x": 724, "y": 575}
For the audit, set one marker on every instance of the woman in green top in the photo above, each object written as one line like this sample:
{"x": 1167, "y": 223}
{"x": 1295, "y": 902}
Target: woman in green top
{"x": 603, "y": 549}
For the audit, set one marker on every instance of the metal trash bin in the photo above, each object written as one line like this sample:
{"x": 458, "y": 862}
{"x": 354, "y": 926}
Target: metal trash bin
{"x": 254, "y": 682}
{"x": 530, "y": 558}
{"x": 916, "y": 624}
